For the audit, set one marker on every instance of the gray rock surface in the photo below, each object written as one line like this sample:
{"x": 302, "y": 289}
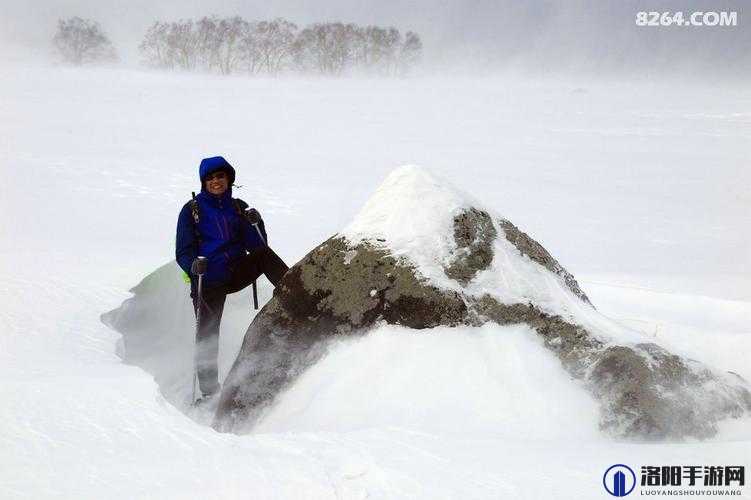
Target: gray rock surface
{"x": 532, "y": 249}
{"x": 474, "y": 234}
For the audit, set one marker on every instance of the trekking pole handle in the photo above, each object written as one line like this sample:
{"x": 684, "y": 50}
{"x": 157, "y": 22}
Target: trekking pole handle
{"x": 199, "y": 266}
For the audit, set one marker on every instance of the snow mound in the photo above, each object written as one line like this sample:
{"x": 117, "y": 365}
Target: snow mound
{"x": 412, "y": 215}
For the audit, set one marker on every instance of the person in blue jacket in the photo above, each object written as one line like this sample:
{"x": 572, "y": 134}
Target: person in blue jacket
{"x": 216, "y": 226}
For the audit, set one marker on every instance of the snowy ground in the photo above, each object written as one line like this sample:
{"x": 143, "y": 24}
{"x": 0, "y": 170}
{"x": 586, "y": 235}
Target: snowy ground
{"x": 641, "y": 191}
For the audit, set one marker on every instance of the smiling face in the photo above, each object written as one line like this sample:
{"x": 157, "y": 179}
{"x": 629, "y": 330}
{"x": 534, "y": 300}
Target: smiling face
{"x": 217, "y": 183}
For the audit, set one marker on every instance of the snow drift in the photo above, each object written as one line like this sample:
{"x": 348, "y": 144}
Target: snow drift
{"x": 157, "y": 327}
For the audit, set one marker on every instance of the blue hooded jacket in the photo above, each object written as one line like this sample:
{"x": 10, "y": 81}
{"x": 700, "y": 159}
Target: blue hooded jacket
{"x": 225, "y": 236}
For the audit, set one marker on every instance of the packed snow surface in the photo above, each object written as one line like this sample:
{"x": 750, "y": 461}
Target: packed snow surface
{"x": 639, "y": 190}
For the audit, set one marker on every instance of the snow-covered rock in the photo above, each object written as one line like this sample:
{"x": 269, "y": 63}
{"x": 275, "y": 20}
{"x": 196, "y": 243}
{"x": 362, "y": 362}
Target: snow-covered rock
{"x": 421, "y": 254}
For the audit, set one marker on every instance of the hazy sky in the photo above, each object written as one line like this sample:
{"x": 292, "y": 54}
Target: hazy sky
{"x": 541, "y": 35}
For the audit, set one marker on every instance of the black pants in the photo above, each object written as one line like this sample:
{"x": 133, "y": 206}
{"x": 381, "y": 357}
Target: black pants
{"x": 243, "y": 272}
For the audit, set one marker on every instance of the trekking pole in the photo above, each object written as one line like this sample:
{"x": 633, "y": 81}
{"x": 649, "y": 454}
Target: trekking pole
{"x": 255, "y": 289}
{"x": 199, "y": 268}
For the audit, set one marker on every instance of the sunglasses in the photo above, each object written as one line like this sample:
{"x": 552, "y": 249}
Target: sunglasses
{"x": 216, "y": 175}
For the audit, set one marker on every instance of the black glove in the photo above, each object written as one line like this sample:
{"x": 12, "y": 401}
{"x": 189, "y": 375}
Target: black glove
{"x": 252, "y": 216}
{"x": 199, "y": 266}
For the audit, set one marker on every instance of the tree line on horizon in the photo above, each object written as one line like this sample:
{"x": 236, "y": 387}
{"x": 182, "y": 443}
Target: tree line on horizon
{"x": 233, "y": 45}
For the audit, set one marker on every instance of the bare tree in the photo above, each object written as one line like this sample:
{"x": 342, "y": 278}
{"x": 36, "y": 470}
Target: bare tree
{"x": 182, "y": 40}
{"x": 230, "y": 33}
{"x": 250, "y": 53}
{"x": 343, "y": 37}
{"x": 208, "y": 41}
{"x": 373, "y": 40}
{"x": 80, "y": 41}
{"x": 305, "y": 54}
{"x": 381, "y": 49}
{"x": 326, "y": 47}
{"x": 410, "y": 52}
{"x": 391, "y": 47}
{"x": 274, "y": 43}
{"x": 154, "y": 47}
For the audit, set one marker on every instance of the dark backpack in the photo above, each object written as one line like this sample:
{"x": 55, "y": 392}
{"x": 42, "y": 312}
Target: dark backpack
{"x": 195, "y": 212}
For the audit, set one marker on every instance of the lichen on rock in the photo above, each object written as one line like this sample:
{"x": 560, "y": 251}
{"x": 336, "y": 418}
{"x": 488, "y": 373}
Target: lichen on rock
{"x": 474, "y": 234}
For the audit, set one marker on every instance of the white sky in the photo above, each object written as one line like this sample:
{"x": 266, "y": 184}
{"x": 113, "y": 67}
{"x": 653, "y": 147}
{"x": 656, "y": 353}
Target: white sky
{"x": 541, "y": 35}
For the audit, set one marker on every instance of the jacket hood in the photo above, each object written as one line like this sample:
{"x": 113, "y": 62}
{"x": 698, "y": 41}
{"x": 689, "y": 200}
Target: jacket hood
{"x": 210, "y": 165}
